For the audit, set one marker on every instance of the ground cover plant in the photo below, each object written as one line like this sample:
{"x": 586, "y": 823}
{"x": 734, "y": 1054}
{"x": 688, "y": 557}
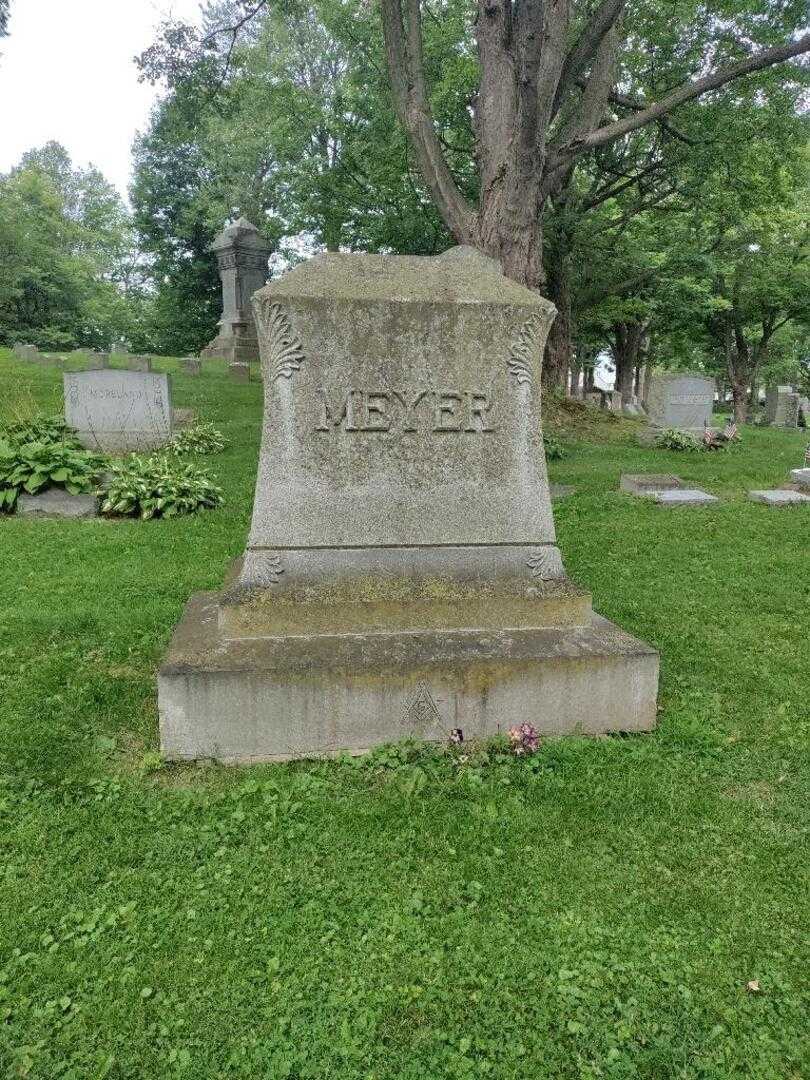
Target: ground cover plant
{"x": 629, "y": 907}
{"x": 157, "y": 486}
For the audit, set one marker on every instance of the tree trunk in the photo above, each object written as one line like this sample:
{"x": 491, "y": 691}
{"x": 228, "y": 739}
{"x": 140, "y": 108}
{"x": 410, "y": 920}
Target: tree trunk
{"x": 628, "y": 338}
{"x": 558, "y": 346}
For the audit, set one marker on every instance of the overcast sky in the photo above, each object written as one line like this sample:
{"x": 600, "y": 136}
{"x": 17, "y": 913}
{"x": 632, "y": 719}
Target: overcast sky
{"x": 66, "y": 73}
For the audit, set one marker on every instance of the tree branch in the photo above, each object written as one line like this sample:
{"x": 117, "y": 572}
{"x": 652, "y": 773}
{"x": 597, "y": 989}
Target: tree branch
{"x": 403, "y": 46}
{"x": 767, "y": 58}
{"x": 585, "y": 49}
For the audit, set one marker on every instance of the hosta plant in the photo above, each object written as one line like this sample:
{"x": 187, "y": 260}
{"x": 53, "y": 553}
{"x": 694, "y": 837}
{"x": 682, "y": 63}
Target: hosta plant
{"x": 33, "y": 467}
{"x": 200, "y": 438}
{"x": 40, "y": 429}
{"x": 673, "y": 439}
{"x": 158, "y": 486}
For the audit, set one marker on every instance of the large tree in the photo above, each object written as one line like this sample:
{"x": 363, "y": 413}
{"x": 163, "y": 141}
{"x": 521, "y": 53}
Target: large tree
{"x": 551, "y": 90}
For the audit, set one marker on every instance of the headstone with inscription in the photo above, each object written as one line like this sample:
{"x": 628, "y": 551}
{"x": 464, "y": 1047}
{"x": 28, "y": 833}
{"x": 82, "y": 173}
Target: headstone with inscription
{"x": 680, "y": 400}
{"x": 192, "y": 365}
{"x": 242, "y": 256}
{"x": 115, "y": 410}
{"x": 402, "y": 576}
{"x": 782, "y": 407}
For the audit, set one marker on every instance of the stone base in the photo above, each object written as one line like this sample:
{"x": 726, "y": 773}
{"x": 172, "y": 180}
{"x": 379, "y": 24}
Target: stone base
{"x": 685, "y": 497}
{"x": 234, "y": 350}
{"x": 272, "y": 699}
{"x": 56, "y": 502}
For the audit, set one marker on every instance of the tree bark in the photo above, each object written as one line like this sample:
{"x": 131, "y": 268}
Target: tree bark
{"x": 627, "y": 341}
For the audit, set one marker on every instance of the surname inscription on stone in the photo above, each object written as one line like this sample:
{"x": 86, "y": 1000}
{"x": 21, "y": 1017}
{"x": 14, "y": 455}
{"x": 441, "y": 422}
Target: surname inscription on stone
{"x": 680, "y": 400}
{"x": 116, "y": 410}
{"x": 402, "y": 575}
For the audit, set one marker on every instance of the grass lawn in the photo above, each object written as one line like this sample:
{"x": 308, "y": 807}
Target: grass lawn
{"x": 593, "y": 911}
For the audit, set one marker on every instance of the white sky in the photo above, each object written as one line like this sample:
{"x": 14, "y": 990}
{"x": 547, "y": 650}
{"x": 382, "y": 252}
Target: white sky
{"x": 66, "y": 73}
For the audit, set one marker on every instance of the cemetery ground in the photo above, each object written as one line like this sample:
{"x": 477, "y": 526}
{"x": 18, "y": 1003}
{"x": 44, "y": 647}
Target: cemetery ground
{"x": 614, "y": 907}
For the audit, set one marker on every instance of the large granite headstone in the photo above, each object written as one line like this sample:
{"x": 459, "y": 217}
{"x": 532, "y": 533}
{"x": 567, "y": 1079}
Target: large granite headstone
{"x": 782, "y": 407}
{"x": 680, "y": 400}
{"x": 242, "y": 257}
{"x": 402, "y": 575}
{"x": 115, "y": 410}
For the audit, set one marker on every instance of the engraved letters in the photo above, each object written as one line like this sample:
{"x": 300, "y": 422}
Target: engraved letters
{"x": 441, "y": 411}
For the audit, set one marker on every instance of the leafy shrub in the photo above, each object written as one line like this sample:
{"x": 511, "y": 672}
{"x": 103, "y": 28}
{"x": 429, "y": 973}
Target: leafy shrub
{"x": 35, "y": 466}
{"x": 673, "y": 439}
{"x": 40, "y": 429}
{"x": 158, "y": 486}
{"x": 200, "y": 438}
{"x": 554, "y": 449}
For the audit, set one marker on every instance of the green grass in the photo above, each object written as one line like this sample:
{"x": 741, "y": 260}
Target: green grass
{"x": 593, "y": 911}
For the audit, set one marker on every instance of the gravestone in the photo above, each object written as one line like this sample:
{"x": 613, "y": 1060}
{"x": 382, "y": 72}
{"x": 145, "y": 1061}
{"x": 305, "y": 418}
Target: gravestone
{"x": 402, "y": 576}
{"x": 115, "y": 410}
{"x": 782, "y": 407}
{"x": 680, "y": 400}
{"x": 25, "y": 352}
{"x": 780, "y": 497}
{"x": 139, "y": 363}
{"x": 192, "y": 365}
{"x": 239, "y": 372}
{"x": 801, "y": 477}
{"x": 119, "y": 349}
{"x": 96, "y": 361}
{"x": 665, "y": 489}
{"x": 644, "y": 484}
{"x": 242, "y": 257}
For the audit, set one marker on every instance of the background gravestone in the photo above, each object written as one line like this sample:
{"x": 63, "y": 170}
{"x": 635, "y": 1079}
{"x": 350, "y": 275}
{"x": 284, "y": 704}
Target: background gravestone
{"x": 25, "y": 352}
{"x": 118, "y": 410}
{"x": 402, "y": 575}
{"x": 242, "y": 257}
{"x": 782, "y": 407}
{"x": 680, "y": 400}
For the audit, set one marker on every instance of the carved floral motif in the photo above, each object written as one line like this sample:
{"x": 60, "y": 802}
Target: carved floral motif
{"x": 282, "y": 350}
{"x": 524, "y": 351}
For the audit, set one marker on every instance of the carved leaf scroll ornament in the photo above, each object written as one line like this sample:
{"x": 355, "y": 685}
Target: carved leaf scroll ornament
{"x": 545, "y": 563}
{"x": 526, "y": 346}
{"x": 274, "y": 569}
{"x": 281, "y": 346}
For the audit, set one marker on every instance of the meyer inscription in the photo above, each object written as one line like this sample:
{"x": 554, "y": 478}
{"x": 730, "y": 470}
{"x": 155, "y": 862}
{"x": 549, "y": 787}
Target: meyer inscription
{"x": 444, "y": 411}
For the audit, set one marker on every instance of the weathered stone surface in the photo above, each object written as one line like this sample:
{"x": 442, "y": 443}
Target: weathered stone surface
{"x": 251, "y": 700}
{"x": 402, "y": 559}
{"x": 239, "y": 372}
{"x": 118, "y": 410}
{"x": 648, "y": 483}
{"x": 192, "y": 365}
{"x": 139, "y": 363}
{"x": 685, "y": 497}
{"x": 680, "y": 400}
{"x": 25, "y": 352}
{"x": 781, "y": 497}
{"x": 782, "y": 407}
{"x": 56, "y": 502}
{"x": 242, "y": 256}
{"x": 183, "y": 417}
{"x": 801, "y": 477}
{"x": 95, "y": 361}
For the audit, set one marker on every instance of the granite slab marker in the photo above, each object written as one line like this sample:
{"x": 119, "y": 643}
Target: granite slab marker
{"x": 114, "y": 410}
{"x": 402, "y": 575}
{"x": 680, "y": 400}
